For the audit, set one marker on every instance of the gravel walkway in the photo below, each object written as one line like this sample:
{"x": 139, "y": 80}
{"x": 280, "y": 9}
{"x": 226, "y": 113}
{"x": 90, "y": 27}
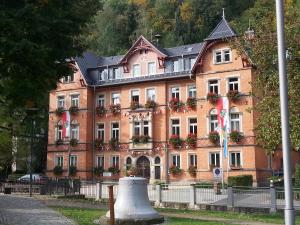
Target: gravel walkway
{"x": 17, "y": 210}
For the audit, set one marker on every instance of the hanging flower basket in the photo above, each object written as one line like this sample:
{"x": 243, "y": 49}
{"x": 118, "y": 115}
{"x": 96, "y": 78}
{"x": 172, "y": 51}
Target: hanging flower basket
{"x": 175, "y": 170}
{"x": 233, "y": 95}
{"x": 175, "y": 104}
{"x": 59, "y": 111}
{"x": 115, "y": 109}
{"x": 191, "y": 103}
{"x": 73, "y": 110}
{"x": 100, "y": 110}
{"x": 98, "y": 143}
{"x": 192, "y": 171}
{"x": 236, "y": 136}
{"x": 98, "y": 171}
{"x": 214, "y": 137}
{"x": 191, "y": 140}
{"x": 212, "y": 97}
{"x": 176, "y": 141}
{"x": 150, "y": 104}
{"x": 73, "y": 142}
{"x": 114, "y": 144}
{"x": 72, "y": 170}
{"x": 57, "y": 170}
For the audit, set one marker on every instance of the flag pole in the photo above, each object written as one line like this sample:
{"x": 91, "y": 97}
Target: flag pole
{"x": 222, "y": 165}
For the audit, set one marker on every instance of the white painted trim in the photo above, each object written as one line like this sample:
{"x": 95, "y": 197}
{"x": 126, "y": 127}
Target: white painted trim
{"x": 187, "y": 89}
{"x": 146, "y": 89}
{"x": 96, "y": 159}
{"x": 170, "y": 91}
{"x": 130, "y": 93}
{"x": 209, "y": 153}
{"x": 148, "y": 68}
{"x": 170, "y": 125}
{"x": 233, "y": 76}
{"x": 222, "y": 56}
{"x": 236, "y": 151}
{"x": 188, "y": 123}
{"x": 219, "y": 84}
{"x": 110, "y": 135}
{"x": 115, "y": 92}
{"x": 171, "y": 159}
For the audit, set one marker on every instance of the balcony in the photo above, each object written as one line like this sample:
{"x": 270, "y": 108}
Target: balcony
{"x": 140, "y": 143}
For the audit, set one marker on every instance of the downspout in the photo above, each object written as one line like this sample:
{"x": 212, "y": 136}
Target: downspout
{"x": 93, "y": 132}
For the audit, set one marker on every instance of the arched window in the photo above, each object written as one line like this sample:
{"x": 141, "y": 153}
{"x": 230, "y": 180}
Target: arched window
{"x": 213, "y": 120}
{"x": 235, "y": 120}
{"x": 128, "y": 163}
{"x": 157, "y": 160}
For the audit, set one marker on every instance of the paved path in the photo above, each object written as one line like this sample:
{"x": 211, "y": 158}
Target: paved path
{"x": 17, "y": 210}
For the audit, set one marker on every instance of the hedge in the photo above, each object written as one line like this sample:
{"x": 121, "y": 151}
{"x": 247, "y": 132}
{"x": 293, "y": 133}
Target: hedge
{"x": 297, "y": 175}
{"x": 241, "y": 180}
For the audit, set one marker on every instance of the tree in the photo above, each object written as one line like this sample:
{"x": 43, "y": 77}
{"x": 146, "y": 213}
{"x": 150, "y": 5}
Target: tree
{"x": 262, "y": 50}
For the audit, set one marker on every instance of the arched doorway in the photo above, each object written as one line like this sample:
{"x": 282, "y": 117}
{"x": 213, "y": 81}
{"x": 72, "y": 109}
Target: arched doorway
{"x": 143, "y": 166}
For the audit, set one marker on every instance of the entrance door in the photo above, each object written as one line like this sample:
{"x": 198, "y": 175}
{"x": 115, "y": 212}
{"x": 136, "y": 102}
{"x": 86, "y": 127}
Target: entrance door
{"x": 143, "y": 166}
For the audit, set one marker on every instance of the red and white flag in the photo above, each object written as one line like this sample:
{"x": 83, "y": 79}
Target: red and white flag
{"x": 66, "y": 124}
{"x": 223, "y": 122}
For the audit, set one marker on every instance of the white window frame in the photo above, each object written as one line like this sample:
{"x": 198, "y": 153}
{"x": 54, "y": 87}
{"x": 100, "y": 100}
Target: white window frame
{"x": 175, "y": 92}
{"x": 100, "y": 101}
{"x": 153, "y": 72}
{"x": 114, "y": 159}
{"x": 75, "y": 131}
{"x": 115, "y": 100}
{"x": 73, "y": 160}
{"x": 113, "y": 130}
{"x": 230, "y": 158}
{"x": 236, "y": 82}
{"x": 235, "y": 110}
{"x": 214, "y": 85}
{"x": 59, "y": 161}
{"x": 176, "y": 68}
{"x": 222, "y": 51}
{"x": 177, "y": 158}
{"x": 212, "y": 112}
{"x": 176, "y": 126}
{"x": 134, "y": 72}
{"x": 100, "y": 131}
{"x": 195, "y": 158}
{"x": 191, "y": 91}
{"x": 59, "y": 101}
{"x": 75, "y": 100}
{"x": 98, "y": 161}
{"x": 193, "y": 124}
{"x": 147, "y": 94}
{"x": 59, "y": 132}
{"x": 214, "y": 153}
{"x": 138, "y": 94}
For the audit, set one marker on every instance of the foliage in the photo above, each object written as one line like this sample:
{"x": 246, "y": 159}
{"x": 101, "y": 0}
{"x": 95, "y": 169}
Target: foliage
{"x": 192, "y": 171}
{"x": 262, "y": 50}
{"x": 132, "y": 171}
{"x": 73, "y": 142}
{"x": 233, "y": 95}
{"x": 98, "y": 171}
{"x": 191, "y": 103}
{"x": 191, "y": 140}
{"x": 134, "y": 105}
{"x": 144, "y": 138}
{"x": 114, "y": 170}
{"x": 98, "y": 142}
{"x": 5, "y": 152}
{"x": 212, "y": 97}
{"x": 140, "y": 139}
{"x": 73, "y": 110}
{"x": 114, "y": 143}
{"x": 176, "y": 141}
{"x": 58, "y": 170}
{"x": 59, "y": 111}
{"x": 175, "y": 104}
{"x": 150, "y": 104}
{"x": 175, "y": 170}
{"x": 135, "y": 139}
{"x": 100, "y": 110}
{"x": 72, "y": 170}
{"x": 59, "y": 142}
{"x": 241, "y": 180}
{"x": 297, "y": 175}
{"x": 236, "y": 136}
{"x": 115, "y": 109}
{"x": 214, "y": 137}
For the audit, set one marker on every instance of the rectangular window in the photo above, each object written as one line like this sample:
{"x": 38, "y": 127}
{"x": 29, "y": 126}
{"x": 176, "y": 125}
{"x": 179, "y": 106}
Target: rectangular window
{"x": 135, "y": 96}
{"x": 235, "y": 121}
{"x": 151, "y": 94}
{"x": 235, "y": 159}
{"x": 136, "y": 70}
{"x": 218, "y": 57}
{"x": 73, "y": 160}
{"x": 226, "y": 55}
{"x": 176, "y": 160}
{"x": 151, "y": 68}
{"x": 59, "y": 135}
{"x": 215, "y": 159}
{"x": 75, "y": 131}
{"x": 213, "y": 122}
{"x": 193, "y": 125}
{"x": 175, "y": 92}
{"x": 100, "y": 131}
{"x": 175, "y": 66}
{"x": 192, "y": 91}
{"x": 115, "y": 161}
{"x": 193, "y": 60}
{"x": 75, "y": 100}
{"x": 146, "y": 128}
{"x": 137, "y": 128}
{"x": 213, "y": 86}
{"x": 222, "y": 56}
{"x": 60, "y": 101}
{"x": 175, "y": 127}
{"x": 233, "y": 84}
{"x": 59, "y": 161}
{"x": 116, "y": 73}
{"x": 100, "y": 161}
{"x": 101, "y": 100}
{"x": 187, "y": 64}
{"x": 193, "y": 160}
{"x": 115, "y": 98}
{"x": 115, "y": 132}
{"x": 68, "y": 79}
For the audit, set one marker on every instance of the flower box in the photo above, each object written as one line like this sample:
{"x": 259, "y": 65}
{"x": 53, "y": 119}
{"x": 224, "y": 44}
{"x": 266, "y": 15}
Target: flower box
{"x": 59, "y": 111}
{"x": 73, "y": 110}
{"x": 114, "y": 144}
{"x": 212, "y": 97}
{"x": 98, "y": 143}
{"x": 175, "y": 170}
{"x": 233, "y": 95}
{"x": 134, "y": 105}
{"x": 192, "y": 171}
{"x": 100, "y": 110}
{"x": 98, "y": 171}
{"x": 150, "y": 104}
{"x": 236, "y": 136}
{"x": 59, "y": 142}
{"x": 191, "y": 103}
{"x": 73, "y": 142}
{"x": 214, "y": 137}
{"x": 175, "y": 104}
{"x": 58, "y": 170}
{"x": 115, "y": 109}
{"x": 113, "y": 170}
{"x": 191, "y": 140}
{"x": 175, "y": 141}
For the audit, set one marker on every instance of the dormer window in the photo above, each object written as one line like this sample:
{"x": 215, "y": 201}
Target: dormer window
{"x": 176, "y": 66}
{"x": 151, "y": 68}
{"x": 68, "y": 79}
{"x": 136, "y": 70}
{"x": 222, "y": 56}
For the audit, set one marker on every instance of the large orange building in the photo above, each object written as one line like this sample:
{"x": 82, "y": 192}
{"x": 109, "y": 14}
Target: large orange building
{"x": 154, "y": 108}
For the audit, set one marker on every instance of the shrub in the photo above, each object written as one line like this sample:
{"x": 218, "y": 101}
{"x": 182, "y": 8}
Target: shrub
{"x": 191, "y": 140}
{"x": 98, "y": 171}
{"x": 100, "y": 110}
{"x": 59, "y": 111}
{"x": 58, "y": 170}
{"x": 175, "y": 170}
{"x": 73, "y": 142}
{"x": 150, "y": 104}
{"x": 233, "y": 95}
{"x": 73, "y": 110}
{"x": 192, "y": 171}
{"x": 115, "y": 108}
{"x": 212, "y": 97}
{"x": 114, "y": 143}
{"x": 72, "y": 170}
{"x": 98, "y": 143}
{"x": 236, "y": 136}
{"x": 191, "y": 103}
{"x": 297, "y": 175}
{"x": 113, "y": 170}
{"x": 241, "y": 180}
{"x": 175, "y": 104}
{"x": 176, "y": 141}
{"x": 214, "y": 137}
{"x": 59, "y": 142}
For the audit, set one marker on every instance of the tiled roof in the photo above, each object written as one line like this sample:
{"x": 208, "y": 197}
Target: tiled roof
{"x": 222, "y": 30}
{"x": 191, "y": 49}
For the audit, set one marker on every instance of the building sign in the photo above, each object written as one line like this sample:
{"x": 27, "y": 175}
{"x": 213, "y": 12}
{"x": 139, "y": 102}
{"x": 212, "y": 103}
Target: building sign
{"x": 217, "y": 172}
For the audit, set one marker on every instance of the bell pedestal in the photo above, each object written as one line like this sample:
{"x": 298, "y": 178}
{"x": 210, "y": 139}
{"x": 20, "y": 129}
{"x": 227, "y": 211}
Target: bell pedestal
{"x": 132, "y": 206}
